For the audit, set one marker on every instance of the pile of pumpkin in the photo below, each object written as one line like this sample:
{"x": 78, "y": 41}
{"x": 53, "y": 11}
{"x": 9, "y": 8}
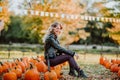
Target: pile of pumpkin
{"x": 113, "y": 65}
{"x": 29, "y": 69}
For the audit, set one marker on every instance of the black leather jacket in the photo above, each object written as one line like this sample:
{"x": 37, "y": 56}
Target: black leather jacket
{"x": 52, "y": 47}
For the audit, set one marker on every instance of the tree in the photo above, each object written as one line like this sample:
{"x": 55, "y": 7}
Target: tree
{"x": 32, "y": 25}
{"x": 70, "y": 25}
{"x": 4, "y": 14}
{"x": 114, "y": 33}
{"x": 113, "y": 11}
{"x": 21, "y": 30}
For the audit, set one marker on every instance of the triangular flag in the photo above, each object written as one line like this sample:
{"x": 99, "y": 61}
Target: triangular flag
{"x": 93, "y": 18}
{"x": 114, "y": 20}
{"x": 0, "y": 9}
{"x": 76, "y": 16}
{"x": 56, "y": 15}
{"x": 97, "y": 18}
{"x": 31, "y": 12}
{"x": 102, "y": 18}
{"x": 37, "y": 12}
{"x": 89, "y": 18}
{"x": 72, "y": 16}
{"x": 46, "y": 13}
{"x": 67, "y": 16}
{"x": 110, "y": 19}
{"x": 82, "y": 17}
{"x": 51, "y": 14}
{"x": 41, "y": 13}
{"x": 86, "y": 17}
{"x": 117, "y": 20}
{"x": 62, "y": 15}
{"x": 106, "y": 19}
{"x": 25, "y": 12}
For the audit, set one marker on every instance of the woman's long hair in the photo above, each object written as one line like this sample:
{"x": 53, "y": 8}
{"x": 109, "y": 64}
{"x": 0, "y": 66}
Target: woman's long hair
{"x": 50, "y": 30}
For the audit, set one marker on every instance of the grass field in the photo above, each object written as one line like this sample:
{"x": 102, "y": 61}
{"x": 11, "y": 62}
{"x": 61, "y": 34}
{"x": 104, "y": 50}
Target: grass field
{"x": 89, "y": 62}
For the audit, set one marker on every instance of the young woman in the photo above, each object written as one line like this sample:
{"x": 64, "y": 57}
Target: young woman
{"x": 58, "y": 54}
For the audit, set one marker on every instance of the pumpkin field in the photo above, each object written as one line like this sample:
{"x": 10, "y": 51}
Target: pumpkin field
{"x": 30, "y": 28}
{"x": 25, "y": 67}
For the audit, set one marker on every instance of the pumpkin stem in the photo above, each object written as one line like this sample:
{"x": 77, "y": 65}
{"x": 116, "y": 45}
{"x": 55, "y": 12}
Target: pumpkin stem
{"x": 15, "y": 67}
{"x": 31, "y": 66}
{"x": 16, "y": 63}
{"x": 38, "y": 60}
{"x": 1, "y": 63}
{"x": 118, "y": 65}
{"x": 21, "y": 59}
{"x": 18, "y": 59}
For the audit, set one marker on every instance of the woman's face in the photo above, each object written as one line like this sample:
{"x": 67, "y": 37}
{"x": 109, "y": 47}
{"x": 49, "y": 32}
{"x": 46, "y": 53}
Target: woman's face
{"x": 57, "y": 30}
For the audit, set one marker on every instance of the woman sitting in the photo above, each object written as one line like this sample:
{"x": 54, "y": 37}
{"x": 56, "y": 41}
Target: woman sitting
{"x": 58, "y": 54}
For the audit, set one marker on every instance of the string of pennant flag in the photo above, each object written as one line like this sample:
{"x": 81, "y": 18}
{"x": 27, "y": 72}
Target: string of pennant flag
{"x": 70, "y": 16}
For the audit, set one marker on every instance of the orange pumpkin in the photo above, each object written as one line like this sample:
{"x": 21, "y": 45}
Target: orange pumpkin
{"x": 50, "y": 75}
{"x": 26, "y": 61}
{"x": 10, "y": 76}
{"x": 101, "y": 60}
{"x": 33, "y": 61}
{"x": 1, "y": 69}
{"x": 4, "y": 67}
{"x": 119, "y": 73}
{"x": 22, "y": 65}
{"x": 108, "y": 65}
{"x": 105, "y": 62}
{"x": 42, "y": 58}
{"x": 32, "y": 74}
{"x": 17, "y": 66}
{"x": 114, "y": 67}
{"x": 41, "y": 66}
{"x": 57, "y": 69}
{"x": 117, "y": 61}
{"x": 65, "y": 63}
{"x": 18, "y": 72}
{"x": 113, "y": 61}
{"x": 9, "y": 64}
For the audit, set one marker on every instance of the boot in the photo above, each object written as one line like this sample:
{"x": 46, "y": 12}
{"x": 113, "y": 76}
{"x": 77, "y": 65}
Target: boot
{"x": 72, "y": 72}
{"x": 82, "y": 74}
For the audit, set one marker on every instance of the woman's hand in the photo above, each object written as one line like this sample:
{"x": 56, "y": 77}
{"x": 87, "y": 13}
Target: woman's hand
{"x": 77, "y": 56}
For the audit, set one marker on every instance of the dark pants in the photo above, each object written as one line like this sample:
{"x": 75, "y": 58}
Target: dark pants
{"x": 63, "y": 58}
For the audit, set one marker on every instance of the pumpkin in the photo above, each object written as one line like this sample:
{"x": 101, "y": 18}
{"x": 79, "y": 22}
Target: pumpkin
{"x": 9, "y": 64}
{"x": 42, "y": 58}
{"x": 101, "y": 60}
{"x": 23, "y": 62}
{"x": 113, "y": 61}
{"x": 26, "y": 61}
{"x": 105, "y": 62}
{"x": 18, "y": 72}
{"x": 117, "y": 61}
{"x": 4, "y": 67}
{"x": 114, "y": 67}
{"x": 41, "y": 66}
{"x": 32, "y": 60}
{"x": 119, "y": 73}
{"x": 32, "y": 74}
{"x": 1, "y": 69}
{"x": 22, "y": 65}
{"x": 10, "y": 76}
{"x": 50, "y": 75}
{"x": 17, "y": 66}
{"x": 108, "y": 65}
{"x": 57, "y": 69}
{"x": 65, "y": 63}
